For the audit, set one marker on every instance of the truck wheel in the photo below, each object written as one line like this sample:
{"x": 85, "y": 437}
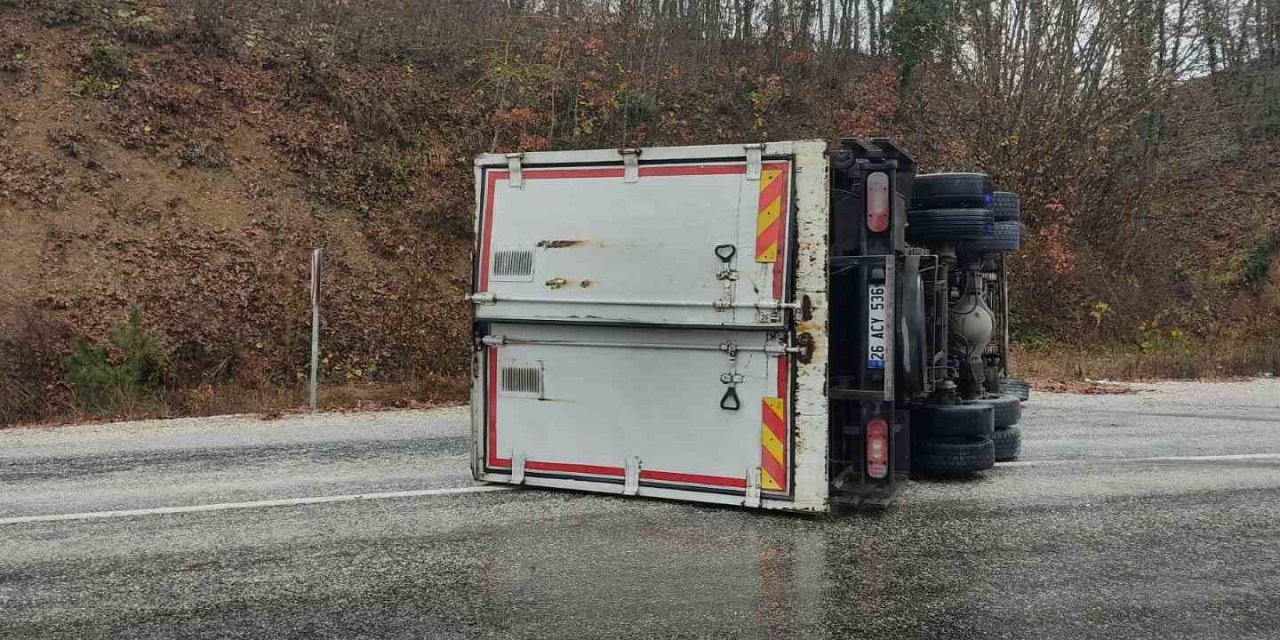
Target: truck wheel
{"x": 1016, "y": 388}
{"x": 1007, "y": 443}
{"x": 949, "y": 226}
{"x": 963, "y": 455}
{"x": 1005, "y": 237}
{"x": 951, "y": 190}
{"x": 1006, "y": 205}
{"x": 1006, "y": 411}
{"x": 952, "y": 420}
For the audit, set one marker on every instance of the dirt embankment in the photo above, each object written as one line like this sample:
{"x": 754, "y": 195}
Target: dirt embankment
{"x": 147, "y": 170}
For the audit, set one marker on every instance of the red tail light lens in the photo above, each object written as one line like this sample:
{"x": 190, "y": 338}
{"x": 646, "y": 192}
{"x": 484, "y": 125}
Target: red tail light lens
{"x": 878, "y": 202}
{"x": 877, "y": 448}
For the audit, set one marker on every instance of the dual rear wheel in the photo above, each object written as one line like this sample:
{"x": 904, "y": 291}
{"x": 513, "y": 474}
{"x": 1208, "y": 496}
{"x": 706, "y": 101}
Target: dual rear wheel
{"x": 965, "y": 438}
{"x": 962, "y": 210}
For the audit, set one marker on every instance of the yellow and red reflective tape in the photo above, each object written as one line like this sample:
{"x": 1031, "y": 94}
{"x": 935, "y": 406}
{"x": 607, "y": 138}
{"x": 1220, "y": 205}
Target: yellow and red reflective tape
{"x": 773, "y": 445}
{"x": 769, "y": 219}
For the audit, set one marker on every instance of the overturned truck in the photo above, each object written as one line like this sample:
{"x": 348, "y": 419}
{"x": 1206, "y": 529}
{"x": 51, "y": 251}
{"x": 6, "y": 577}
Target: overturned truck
{"x": 790, "y": 325}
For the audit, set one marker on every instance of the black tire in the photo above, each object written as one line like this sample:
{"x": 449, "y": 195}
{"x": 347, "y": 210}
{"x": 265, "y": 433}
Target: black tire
{"x": 951, "y": 191}
{"x": 1016, "y": 388}
{"x": 967, "y": 455}
{"x": 1008, "y": 443}
{"x": 1006, "y": 411}
{"x": 1005, "y": 237}
{"x": 930, "y": 227}
{"x": 952, "y": 421}
{"x": 1006, "y": 205}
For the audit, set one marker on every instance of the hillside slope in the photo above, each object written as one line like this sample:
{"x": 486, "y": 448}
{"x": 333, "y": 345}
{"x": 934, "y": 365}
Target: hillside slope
{"x": 185, "y": 156}
{"x": 186, "y": 183}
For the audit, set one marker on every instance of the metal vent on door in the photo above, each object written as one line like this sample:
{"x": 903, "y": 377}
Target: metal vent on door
{"x": 522, "y": 380}
{"x": 513, "y": 265}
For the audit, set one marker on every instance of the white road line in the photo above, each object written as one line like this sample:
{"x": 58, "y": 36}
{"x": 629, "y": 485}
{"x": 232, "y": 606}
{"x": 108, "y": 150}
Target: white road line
{"x": 1241, "y": 457}
{"x": 226, "y": 506}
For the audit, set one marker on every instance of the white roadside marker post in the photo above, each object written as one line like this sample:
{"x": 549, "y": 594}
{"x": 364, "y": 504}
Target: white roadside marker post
{"x": 316, "y": 255}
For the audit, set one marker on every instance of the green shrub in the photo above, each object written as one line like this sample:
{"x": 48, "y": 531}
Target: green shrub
{"x": 107, "y": 63}
{"x": 1154, "y": 339}
{"x": 118, "y": 377}
{"x": 1031, "y": 338}
{"x": 105, "y": 69}
{"x": 1258, "y": 261}
{"x": 14, "y": 57}
{"x": 1268, "y": 124}
{"x": 641, "y": 107}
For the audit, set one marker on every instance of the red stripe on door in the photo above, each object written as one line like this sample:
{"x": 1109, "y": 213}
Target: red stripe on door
{"x": 693, "y": 478}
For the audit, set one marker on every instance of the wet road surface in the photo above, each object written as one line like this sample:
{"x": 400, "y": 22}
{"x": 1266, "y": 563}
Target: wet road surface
{"x": 1155, "y": 515}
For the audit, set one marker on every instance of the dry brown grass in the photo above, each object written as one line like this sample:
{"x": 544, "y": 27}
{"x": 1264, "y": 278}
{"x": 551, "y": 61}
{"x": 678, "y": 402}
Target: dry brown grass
{"x": 420, "y": 393}
{"x": 1196, "y": 361}
{"x": 209, "y": 400}
{"x": 1082, "y": 388}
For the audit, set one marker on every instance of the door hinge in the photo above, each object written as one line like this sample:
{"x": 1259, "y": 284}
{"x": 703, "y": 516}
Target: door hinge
{"x": 482, "y": 298}
{"x": 515, "y": 174}
{"x": 755, "y": 160}
{"x": 752, "y": 498}
{"x": 630, "y": 164}
{"x": 517, "y": 468}
{"x": 631, "y": 476}
{"x": 805, "y": 342}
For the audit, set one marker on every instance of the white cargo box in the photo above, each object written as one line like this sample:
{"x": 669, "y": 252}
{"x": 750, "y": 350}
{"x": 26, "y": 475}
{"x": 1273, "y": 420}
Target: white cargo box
{"x": 653, "y": 323}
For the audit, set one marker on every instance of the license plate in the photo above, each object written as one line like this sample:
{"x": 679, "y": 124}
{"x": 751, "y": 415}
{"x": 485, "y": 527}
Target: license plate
{"x": 876, "y": 307}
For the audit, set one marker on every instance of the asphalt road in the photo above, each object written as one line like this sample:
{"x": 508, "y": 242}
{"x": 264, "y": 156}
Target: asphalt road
{"x": 1154, "y": 515}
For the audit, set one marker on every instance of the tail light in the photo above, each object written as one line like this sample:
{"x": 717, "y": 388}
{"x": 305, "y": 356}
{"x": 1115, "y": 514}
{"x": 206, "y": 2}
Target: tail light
{"x": 877, "y": 448}
{"x": 878, "y": 202}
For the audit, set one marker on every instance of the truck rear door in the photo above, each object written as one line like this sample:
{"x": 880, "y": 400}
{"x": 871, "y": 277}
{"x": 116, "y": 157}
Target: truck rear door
{"x": 635, "y": 320}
